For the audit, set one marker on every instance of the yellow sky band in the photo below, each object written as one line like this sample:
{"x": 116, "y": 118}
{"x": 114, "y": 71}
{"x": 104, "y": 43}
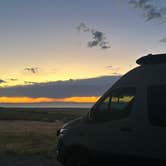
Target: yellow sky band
{"x": 76, "y": 99}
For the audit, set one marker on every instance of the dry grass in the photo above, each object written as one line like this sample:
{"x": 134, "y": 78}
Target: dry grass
{"x": 41, "y": 114}
{"x": 28, "y": 137}
{"x": 32, "y": 131}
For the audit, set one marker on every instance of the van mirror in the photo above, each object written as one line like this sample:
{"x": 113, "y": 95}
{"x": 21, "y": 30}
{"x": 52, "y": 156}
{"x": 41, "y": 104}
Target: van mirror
{"x": 89, "y": 117}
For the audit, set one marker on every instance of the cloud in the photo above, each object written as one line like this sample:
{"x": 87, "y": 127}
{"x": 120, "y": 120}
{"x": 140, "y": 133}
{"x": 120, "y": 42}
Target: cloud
{"x": 2, "y": 81}
{"x": 115, "y": 73}
{"x": 163, "y": 40}
{"x": 114, "y": 70}
{"x": 29, "y": 82}
{"x": 109, "y": 67}
{"x": 54, "y": 70}
{"x": 98, "y": 40}
{"x": 98, "y": 37}
{"x": 62, "y": 89}
{"x": 83, "y": 27}
{"x": 149, "y": 9}
{"x": 13, "y": 79}
{"x": 32, "y": 70}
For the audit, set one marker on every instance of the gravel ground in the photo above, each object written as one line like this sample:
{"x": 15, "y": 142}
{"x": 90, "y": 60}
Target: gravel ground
{"x": 12, "y": 160}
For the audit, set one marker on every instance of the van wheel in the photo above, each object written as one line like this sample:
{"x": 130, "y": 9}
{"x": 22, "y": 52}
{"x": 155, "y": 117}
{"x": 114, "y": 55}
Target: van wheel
{"x": 77, "y": 157}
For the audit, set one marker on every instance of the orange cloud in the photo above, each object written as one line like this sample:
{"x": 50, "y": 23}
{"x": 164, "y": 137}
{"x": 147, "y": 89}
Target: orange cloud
{"x": 76, "y": 99}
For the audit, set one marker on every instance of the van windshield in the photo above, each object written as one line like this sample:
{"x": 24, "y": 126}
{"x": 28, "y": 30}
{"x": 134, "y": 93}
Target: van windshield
{"x": 116, "y": 105}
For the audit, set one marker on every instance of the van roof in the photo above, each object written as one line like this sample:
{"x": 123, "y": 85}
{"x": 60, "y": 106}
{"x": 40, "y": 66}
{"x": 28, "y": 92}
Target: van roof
{"x": 150, "y": 72}
{"x": 152, "y": 59}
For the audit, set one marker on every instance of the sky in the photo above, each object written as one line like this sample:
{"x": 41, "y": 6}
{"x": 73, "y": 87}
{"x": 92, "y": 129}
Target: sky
{"x": 57, "y": 40}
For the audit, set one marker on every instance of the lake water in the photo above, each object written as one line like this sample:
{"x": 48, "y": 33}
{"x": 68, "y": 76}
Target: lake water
{"x": 51, "y": 105}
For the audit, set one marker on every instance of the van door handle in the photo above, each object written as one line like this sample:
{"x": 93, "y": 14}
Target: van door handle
{"x": 125, "y": 129}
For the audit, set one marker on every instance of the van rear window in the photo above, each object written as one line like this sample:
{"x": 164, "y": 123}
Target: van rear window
{"x": 157, "y": 104}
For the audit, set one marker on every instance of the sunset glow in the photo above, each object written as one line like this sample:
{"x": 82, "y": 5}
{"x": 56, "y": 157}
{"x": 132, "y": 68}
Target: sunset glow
{"x": 73, "y": 57}
{"x": 76, "y": 99}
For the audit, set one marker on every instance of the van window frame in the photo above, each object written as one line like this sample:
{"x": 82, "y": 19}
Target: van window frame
{"x": 108, "y": 94}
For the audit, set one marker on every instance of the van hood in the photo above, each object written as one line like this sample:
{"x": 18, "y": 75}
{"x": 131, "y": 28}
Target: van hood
{"x": 73, "y": 123}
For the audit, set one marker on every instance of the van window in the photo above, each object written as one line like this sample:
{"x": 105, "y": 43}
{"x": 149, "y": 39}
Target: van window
{"x": 157, "y": 104}
{"x": 116, "y": 105}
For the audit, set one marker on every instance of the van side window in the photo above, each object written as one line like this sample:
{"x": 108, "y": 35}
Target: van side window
{"x": 116, "y": 105}
{"x": 157, "y": 105}
{"x": 105, "y": 104}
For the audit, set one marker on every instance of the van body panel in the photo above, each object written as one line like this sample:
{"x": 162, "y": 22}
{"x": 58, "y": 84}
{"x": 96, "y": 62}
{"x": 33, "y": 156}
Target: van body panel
{"x": 134, "y": 135}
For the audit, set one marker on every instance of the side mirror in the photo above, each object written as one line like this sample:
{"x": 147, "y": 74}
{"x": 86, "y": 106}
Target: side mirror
{"x": 88, "y": 118}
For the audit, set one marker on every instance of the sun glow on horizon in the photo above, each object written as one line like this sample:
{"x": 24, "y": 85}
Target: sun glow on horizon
{"x": 76, "y": 99}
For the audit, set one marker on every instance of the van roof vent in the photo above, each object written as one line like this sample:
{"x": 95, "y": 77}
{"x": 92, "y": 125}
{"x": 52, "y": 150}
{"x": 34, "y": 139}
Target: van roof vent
{"x": 152, "y": 59}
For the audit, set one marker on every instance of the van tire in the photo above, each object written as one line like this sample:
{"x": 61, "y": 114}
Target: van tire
{"x": 77, "y": 157}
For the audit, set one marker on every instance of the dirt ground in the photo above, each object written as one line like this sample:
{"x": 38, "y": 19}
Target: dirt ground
{"x": 13, "y": 160}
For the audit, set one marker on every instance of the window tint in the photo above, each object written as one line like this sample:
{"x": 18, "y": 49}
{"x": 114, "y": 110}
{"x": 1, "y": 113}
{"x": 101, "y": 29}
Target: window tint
{"x": 115, "y": 105}
{"x": 157, "y": 104}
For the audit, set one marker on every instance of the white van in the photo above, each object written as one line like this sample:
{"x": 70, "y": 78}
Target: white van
{"x": 128, "y": 121}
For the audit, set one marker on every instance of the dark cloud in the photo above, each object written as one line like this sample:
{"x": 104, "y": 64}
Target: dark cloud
{"x": 98, "y": 40}
{"x": 115, "y": 73}
{"x": 163, "y": 40}
{"x": 109, "y": 67}
{"x": 29, "y": 82}
{"x": 83, "y": 27}
{"x": 103, "y": 46}
{"x": 98, "y": 37}
{"x": 149, "y": 9}
{"x": 13, "y": 79}
{"x": 33, "y": 70}
{"x": 60, "y": 89}
{"x": 2, "y": 81}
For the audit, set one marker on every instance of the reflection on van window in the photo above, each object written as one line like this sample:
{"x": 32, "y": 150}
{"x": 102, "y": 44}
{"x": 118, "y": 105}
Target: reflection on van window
{"x": 120, "y": 102}
{"x": 157, "y": 104}
{"x": 105, "y": 104}
{"x": 116, "y": 105}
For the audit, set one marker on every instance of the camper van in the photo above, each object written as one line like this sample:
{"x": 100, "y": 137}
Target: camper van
{"x": 127, "y": 122}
